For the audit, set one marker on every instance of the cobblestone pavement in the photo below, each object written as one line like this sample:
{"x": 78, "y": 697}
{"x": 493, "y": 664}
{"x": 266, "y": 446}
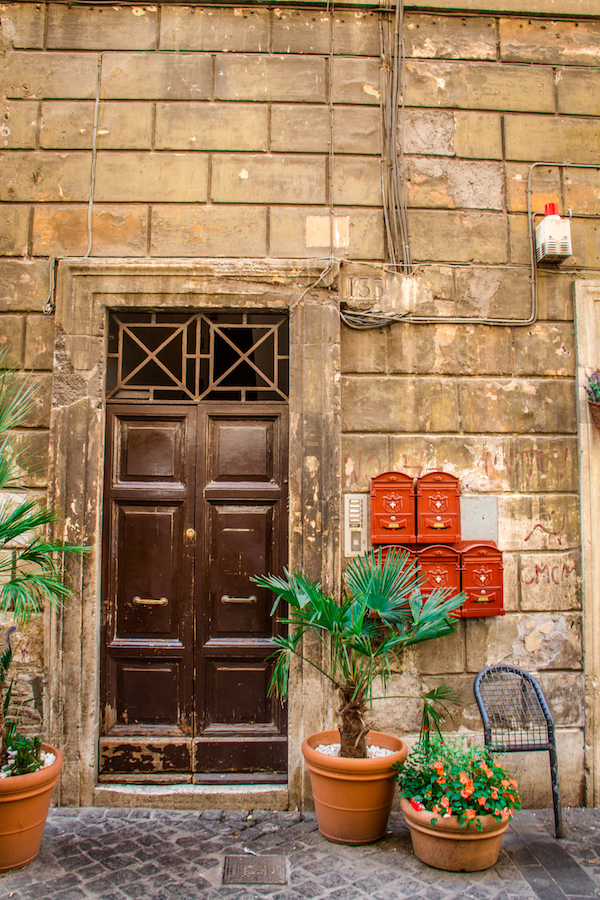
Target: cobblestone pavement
{"x": 126, "y": 854}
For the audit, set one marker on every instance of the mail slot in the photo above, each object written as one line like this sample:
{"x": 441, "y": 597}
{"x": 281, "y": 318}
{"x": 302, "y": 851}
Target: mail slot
{"x": 441, "y": 566}
{"x": 438, "y": 508}
{"x": 392, "y": 508}
{"x": 482, "y": 580}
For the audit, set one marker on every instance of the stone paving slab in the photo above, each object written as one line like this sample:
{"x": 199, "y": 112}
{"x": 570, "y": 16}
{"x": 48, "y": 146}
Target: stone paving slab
{"x": 126, "y": 854}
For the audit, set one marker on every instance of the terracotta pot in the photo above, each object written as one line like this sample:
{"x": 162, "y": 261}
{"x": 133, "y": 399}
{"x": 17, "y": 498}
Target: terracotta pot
{"x": 353, "y": 797}
{"x": 448, "y": 846}
{"x": 24, "y": 804}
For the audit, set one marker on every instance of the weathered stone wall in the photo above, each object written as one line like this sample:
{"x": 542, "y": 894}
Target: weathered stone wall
{"x": 232, "y": 132}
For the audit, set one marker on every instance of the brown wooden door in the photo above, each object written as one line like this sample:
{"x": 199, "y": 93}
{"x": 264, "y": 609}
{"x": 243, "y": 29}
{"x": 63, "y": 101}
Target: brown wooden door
{"x": 195, "y": 503}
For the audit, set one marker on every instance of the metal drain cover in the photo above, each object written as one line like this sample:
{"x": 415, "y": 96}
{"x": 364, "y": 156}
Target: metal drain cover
{"x": 254, "y": 870}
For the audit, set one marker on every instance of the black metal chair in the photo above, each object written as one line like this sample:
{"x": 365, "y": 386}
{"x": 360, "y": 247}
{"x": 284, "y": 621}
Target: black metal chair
{"x": 516, "y": 717}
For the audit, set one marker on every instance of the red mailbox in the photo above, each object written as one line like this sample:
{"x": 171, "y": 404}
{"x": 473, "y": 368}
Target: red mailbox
{"x": 438, "y": 508}
{"x": 441, "y": 565}
{"x": 482, "y": 580}
{"x": 392, "y": 508}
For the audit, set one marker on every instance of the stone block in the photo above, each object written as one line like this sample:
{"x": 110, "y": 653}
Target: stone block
{"x": 493, "y": 293}
{"x": 545, "y": 187}
{"x": 301, "y": 31}
{"x": 34, "y": 75}
{"x": 305, "y": 232}
{"x": 44, "y": 176}
{"x": 454, "y": 184}
{"x": 211, "y": 126}
{"x": 538, "y": 522}
{"x": 582, "y": 191}
{"x": 552, "y": 139}
{"x": 39, "y": 415}
{"x": 442, "y": 656}
{"x": 31, "y": 448}
{"x": 355, "y": 80}
{"x": 365, "y": 456}
{"x": 24, "y": 284}
{"x": 520, "y": 252}
{"x": 450, "y": 37}
{"x": 208, "y": 231}
{"x": 267, "y": 179}
{"x": 545, "y": 349}
{"x": 458, "y": 236}
{"x": 429, "y": 132}
{"x": 242, "y": 30}
{"x": 101, "y": 27}
{"x": 356, "y": 129}
{"x": 356, "y": 33}
{"x": 116, "y": 230}
{"x": 22, "y": 25}
{"x": 478, "y": 135}
{"x": 555, "y": 297}
{"x": 156, "y": 76}
{"x": 534, "y": 642}
{"x": 398, "y": 404}
{"x": 550, "y": 582}
{"x": 300, "y": 79}
{"x": 449, "y": 349}
{"x": 552, "y": 43}
{"x": 565, "y": 694}
{"x": 39, "y": 342}
{"x": 482, "y": 463}
{"x": 300, "y": 128}
{"x": 510, "y": 576}
{"x": 364, "y": 352}
{"x": 578, "y": 92}
{"x": 547, "y": 464}
{"x": 486, "y": 86}
{"x": 357, "y": 181}
{"x": 522, "y": 405}
{"x": 14, "y": 229}
{"x": 11, "y": 341}
{"x": 18, "y": 124}
{"x": 69, "y": 125}
{"x": 151, "y": 177}
{"x": 585, "y": 246}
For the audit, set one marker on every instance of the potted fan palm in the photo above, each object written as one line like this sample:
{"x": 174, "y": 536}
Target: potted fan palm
{"x": 457, "y": 801}
{"x": 381, "y": 612}
{"x": 30, "y": 577}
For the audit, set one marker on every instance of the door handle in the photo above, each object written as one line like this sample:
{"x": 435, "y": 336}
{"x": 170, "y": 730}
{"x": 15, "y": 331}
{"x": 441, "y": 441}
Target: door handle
{"x": 150, "y": 602}
{"x": 250, "y": 599}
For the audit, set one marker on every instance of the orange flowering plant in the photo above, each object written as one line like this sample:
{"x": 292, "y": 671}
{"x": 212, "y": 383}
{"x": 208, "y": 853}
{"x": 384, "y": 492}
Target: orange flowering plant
{"x": 449, "y": 778}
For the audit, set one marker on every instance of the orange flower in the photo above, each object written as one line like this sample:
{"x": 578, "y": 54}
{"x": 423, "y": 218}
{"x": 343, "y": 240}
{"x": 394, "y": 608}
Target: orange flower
{"x": 470, "y": 814}
{"x": 445, "y": 802}
{"x": 436, "y": 809}
{"x": 466, "y": 793}
{"x": 441, "y": 781}
{"x": 513, "y": 783}
{"x": 463, "y": 778}
{"x": 494, "y": 795}
{"x": 482, "y": 801}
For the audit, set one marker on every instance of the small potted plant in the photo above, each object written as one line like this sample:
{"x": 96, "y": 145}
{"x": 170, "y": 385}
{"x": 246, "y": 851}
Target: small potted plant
{"x": 592, "y": 389}
{"x": 457, "y": 801}
{"x": 30, "y": 576}
{"x": 381, "y": 612}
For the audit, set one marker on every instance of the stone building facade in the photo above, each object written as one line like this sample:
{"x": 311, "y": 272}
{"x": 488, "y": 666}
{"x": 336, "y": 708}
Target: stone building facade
{"x": 179, "y": 157}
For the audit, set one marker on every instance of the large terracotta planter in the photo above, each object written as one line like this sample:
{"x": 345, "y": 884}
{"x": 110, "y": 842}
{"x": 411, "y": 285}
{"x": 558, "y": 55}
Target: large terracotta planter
{"x": 353, "y": 797}
{"x": 448, "y": 846}
{"x": 24, "y": 804}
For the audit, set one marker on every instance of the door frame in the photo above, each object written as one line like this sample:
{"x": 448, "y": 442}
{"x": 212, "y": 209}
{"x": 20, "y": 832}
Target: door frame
{"x": 86, "y": 289}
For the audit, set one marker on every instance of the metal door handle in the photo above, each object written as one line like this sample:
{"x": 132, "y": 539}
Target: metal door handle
{"x": 149, "y": 602}
{"x": 250, "y": 599}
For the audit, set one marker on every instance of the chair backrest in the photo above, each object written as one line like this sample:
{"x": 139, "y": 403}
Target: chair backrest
{"x": 513, "y": 709}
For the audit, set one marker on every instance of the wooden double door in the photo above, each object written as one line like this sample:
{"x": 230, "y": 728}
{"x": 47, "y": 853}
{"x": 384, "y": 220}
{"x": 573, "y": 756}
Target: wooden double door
{"x": 195, "y": 503}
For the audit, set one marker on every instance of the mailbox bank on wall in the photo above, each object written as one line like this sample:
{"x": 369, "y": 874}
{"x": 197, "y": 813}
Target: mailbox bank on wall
{"x": 425, "y": 520}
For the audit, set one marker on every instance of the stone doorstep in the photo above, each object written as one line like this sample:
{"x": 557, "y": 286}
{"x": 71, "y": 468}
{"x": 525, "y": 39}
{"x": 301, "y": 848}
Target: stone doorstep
{"x": 193, "y": 796}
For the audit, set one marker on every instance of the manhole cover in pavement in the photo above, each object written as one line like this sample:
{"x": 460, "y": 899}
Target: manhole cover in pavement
{"x": 254, "y": 870}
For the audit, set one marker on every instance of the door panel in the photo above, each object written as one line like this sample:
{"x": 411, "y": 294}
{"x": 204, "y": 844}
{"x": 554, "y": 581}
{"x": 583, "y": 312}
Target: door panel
{"x": 147, "y": 615}
{"x": 196, "y": 503}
